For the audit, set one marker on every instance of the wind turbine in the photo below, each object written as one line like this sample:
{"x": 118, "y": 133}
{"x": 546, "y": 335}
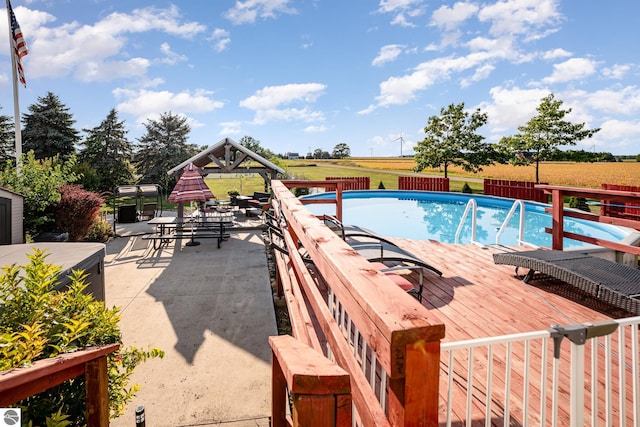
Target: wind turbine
{"x": 401, "y": 139}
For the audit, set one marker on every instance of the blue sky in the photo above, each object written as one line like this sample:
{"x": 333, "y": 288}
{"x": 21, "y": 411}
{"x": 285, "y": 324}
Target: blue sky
{"x": 308, "y": 74}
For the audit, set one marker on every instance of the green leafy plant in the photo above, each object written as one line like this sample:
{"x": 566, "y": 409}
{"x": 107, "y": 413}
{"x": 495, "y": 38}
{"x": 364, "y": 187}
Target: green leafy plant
{"x": 100, "y": 231}
{"x": 466, "y": 188}
{"x": 381, "y": 185}
{"x": 233, "y": 193}
{"x": 39, "y": 322}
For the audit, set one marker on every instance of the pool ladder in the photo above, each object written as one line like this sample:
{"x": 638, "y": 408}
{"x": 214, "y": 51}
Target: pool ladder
{"x": 472, "y": 206}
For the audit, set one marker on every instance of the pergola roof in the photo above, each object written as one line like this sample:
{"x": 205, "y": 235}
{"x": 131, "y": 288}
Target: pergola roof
{"x": 227, "y": 156}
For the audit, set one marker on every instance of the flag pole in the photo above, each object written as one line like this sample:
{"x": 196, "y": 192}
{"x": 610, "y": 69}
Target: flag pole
{"x": 16, "y": 106}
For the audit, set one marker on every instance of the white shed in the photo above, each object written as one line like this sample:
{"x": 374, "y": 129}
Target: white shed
{"x": 11, "y": 217}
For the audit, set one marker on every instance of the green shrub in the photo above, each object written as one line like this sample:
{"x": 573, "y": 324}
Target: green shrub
{"x": 300, "y": 191}
{"x": 38, "y": 322}
{"x": 466, "y": 188}
{"x": 579, "y": 203}
{"x": 100, "y": 231}
{"x": 381, "y": 185}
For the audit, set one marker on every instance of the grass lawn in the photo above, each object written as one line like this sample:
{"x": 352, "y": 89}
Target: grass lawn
{"x": 385, "y": 172}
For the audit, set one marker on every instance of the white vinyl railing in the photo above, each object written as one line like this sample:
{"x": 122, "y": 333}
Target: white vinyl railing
{"x": 531, "y": 378}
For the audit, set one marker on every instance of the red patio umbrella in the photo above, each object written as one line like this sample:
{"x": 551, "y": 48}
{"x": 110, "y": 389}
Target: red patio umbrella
{"x": 191, "y": 188}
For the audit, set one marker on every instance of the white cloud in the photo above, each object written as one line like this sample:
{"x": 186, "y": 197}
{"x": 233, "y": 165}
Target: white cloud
{"x": 246, "y": 12}
{"x": 482, "y": 72}
{"x": 555, "y": 54}
{"x": 450, "y": 18}
{"x": 572, "y": 69}
{"x": 170, "y": 56}
{"x": 520, "y": 16}
{"x": 403, "y": 89}
{"x": 388, "y": 53}
{"x": 402, "y": 11}
{"x": 107, "y": 71}
{"x": 230, "y": 128}
{"x": 272, "y": 103}
{"x": 95, "y": 52}
{"x": 617, "y": 71}
{"x": 221, "y": 39}
{"x": 315, "y": 129}
{"x": 623, "y": 101}
{"x": 511, "y": 107}
{"x": 145, "y": 104}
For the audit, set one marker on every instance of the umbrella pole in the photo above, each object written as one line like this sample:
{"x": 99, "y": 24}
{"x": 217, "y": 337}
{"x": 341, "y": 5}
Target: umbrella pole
{"x": 192, "y": 242}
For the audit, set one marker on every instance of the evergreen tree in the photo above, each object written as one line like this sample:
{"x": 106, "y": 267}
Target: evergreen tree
{"x": 48, "y": 129}
{"x": 544, "y": 134}
{"x": 163, "y": 147}
{"x": 107, "y": 150}
{"x": 452, "y": 140}
{"x": 7, "y": 139}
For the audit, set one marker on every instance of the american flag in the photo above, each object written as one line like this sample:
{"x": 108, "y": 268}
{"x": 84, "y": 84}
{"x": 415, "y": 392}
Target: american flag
{"x": 20, "y": 48}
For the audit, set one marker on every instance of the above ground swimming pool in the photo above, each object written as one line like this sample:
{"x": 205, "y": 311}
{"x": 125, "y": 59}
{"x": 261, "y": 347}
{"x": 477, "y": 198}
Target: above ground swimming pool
{"x": 424, "y": 215}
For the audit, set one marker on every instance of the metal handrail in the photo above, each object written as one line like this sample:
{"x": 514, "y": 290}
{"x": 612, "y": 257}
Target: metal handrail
{"x": 505, "y": 223}
{"x": 471, "y": 204}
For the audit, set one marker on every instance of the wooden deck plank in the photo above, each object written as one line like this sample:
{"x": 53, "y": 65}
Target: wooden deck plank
{"x": 475, "y": 298}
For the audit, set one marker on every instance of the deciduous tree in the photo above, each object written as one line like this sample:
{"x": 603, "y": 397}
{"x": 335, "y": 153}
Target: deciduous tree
{"x": 341, "y": 151}
{"x": 39, "y": 182}
{"x": 451, "y": 139}
{"x": 543, "y": 134}
{"x": 254, "y": 145}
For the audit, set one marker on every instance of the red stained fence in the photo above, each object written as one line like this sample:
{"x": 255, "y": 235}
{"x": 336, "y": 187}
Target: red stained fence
{"x": 353, "y": 183}
{"x": 620, "y": 210}
{"x": 514, "y": 190}
{"x": 422, "y": 183}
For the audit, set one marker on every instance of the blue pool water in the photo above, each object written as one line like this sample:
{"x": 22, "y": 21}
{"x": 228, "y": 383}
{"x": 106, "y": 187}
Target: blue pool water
{"x": 424, "y": 215}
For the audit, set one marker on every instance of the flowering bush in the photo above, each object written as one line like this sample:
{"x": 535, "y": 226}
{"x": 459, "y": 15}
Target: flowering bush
{"x": 39, "y": 323}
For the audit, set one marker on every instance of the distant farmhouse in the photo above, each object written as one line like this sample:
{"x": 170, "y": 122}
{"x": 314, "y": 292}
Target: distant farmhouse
{"x": 292, "y": 156}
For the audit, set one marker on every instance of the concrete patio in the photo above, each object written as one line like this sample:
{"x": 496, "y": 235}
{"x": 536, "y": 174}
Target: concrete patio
{"x": 211, "y": 311}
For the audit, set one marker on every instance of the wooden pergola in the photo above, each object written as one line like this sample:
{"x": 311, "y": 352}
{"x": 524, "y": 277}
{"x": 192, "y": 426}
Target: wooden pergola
{"x": 229, "y": 156}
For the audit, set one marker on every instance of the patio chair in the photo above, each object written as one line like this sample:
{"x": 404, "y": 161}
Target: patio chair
{"x": 606, "y": 280}
{"x": 148, "y": 211}
{"x": 374, "y": 247}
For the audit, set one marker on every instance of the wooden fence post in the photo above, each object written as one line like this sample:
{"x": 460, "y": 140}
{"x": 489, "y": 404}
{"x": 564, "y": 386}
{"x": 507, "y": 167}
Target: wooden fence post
{"x": 320, "y": 390}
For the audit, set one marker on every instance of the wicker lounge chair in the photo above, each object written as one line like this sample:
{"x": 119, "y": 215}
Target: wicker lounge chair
{"x": 606, "y": 280}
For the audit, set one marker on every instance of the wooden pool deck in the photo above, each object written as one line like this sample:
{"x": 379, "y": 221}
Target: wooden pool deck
{"x": 475, "y": 298}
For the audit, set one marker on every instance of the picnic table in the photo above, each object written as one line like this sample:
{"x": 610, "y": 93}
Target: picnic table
{"x": 200, "y": 225}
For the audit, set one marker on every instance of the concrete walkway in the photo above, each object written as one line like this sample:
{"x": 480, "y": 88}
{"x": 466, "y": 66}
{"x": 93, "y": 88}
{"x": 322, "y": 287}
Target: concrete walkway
{"x": 211, "y": 311}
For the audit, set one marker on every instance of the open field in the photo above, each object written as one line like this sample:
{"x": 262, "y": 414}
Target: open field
{"x": 387, "y": 170}
{"x": 560, "y": 173}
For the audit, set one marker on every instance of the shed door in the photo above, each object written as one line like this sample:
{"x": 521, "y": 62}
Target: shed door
{"x": 5, "y": 221}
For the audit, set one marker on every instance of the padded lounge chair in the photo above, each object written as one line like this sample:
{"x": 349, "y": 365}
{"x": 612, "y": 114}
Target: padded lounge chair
{"x": 606, "y": 280}
{"x": 373, "y": 247}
